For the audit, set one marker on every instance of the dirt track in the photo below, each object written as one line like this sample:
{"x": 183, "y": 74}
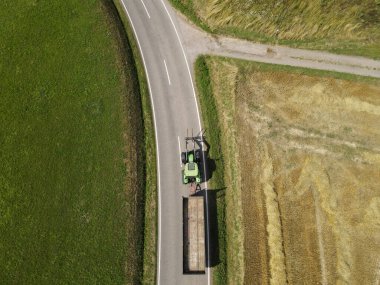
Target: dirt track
{"x": 198, "y": 42}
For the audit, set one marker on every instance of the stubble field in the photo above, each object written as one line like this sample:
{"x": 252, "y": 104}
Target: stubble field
{"x": 302, "y": 155}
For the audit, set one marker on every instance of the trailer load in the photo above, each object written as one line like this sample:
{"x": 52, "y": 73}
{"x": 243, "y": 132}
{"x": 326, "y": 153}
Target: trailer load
{"x": 194, "y": 235}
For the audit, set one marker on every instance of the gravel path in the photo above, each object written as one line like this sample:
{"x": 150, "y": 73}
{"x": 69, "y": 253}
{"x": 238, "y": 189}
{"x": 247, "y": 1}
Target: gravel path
{"x": 199, "y": 42}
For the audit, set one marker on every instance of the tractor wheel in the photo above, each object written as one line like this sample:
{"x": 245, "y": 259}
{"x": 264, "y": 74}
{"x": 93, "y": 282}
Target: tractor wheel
{"x": 183, "y": 158}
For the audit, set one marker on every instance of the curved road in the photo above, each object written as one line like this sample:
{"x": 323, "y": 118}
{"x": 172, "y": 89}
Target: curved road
{"x": 161, "y": 34}
{"x": 175, "y": 110}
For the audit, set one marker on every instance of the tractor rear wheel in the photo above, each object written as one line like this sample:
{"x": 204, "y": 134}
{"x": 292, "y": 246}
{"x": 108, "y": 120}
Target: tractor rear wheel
{"x": 198, "y": 155}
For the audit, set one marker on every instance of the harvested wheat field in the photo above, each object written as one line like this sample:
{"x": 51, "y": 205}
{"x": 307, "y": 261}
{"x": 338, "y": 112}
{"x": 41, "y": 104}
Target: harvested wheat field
{"x": 307, "y": 156}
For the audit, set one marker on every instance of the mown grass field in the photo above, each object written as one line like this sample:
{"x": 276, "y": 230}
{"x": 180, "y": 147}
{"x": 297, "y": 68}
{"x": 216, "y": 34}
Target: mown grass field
{"x": 71, "y": 146}
{"x": 304, "y": 147}
{"x": 348, "y": 27}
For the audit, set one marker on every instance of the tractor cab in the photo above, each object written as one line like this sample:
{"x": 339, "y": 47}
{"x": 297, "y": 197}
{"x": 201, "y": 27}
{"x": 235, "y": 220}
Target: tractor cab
{"x": 191, "y": 172}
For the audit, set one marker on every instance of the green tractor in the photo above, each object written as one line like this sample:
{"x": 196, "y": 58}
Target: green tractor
{"x": 191, "y": 159}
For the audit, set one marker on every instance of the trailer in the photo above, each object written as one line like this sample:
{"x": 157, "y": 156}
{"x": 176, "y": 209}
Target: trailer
{"x": 193, "y": 235}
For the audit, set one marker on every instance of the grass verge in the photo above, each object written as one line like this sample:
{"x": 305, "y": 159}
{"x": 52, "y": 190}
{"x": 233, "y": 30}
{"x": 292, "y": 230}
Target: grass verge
{"x": 269, "y": 67}
{"x": 71, "y": 146}
{"x": 185, "y": 7}
{"x": 150, "y": 173}
{"x": 213, "y": 135}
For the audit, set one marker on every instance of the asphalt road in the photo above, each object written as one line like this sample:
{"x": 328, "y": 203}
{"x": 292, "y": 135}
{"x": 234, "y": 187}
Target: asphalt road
{"x": 175, "y": 110}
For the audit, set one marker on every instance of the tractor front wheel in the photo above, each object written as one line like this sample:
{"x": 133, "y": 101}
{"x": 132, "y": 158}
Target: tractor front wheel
{"x": 183, "y": 158}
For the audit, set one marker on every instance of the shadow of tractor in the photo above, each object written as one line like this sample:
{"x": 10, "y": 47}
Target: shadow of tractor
{"x": 207, "y": 165}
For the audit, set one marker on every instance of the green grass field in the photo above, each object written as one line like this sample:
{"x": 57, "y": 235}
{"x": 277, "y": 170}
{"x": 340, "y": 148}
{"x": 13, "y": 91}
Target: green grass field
{"x": 71, "y": 134}
{"x": 342, "y": 26}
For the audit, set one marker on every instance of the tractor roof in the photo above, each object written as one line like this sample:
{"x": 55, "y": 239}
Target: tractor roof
{"x": 191, "y": 169}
